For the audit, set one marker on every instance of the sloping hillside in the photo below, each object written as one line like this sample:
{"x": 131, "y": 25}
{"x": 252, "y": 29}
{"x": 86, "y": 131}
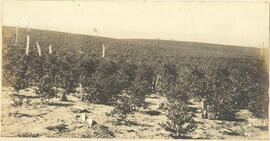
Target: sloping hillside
{"x": 66, "y": 42}
{"x": 134, "y": 74}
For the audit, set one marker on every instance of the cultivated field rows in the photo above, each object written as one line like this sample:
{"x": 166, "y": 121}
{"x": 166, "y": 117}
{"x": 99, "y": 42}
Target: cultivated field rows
{"x": 130, "y": 88}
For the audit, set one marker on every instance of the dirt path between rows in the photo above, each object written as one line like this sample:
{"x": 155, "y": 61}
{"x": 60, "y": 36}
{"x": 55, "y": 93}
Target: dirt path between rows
{"x": 246, "y": 126}
{"x": 34, "y": 118}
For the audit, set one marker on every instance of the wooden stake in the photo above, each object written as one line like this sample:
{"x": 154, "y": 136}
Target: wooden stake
{"x": 27, "y": 39}
{"x": 156, "y": 84}
{"x": 81, "y": 89}
{"x": 27, "y": 45}
{"x": 103, "y": 51}
{"x": 204, "y": 108}
{"x": 50, "y": 49}
{"x": 38, "y": 47}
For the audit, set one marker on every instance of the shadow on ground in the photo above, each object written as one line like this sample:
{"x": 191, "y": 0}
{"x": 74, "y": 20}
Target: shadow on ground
{"x": 152, "y": 113}
{"x": 59, "y": 104}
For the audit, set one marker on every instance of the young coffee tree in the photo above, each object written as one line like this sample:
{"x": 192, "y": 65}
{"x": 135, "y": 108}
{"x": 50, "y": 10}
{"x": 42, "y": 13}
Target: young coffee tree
{"x": 67, "y": 76}
{"x": 17, "y": 73}
{"x": 251, "y": 87}
{"x": 47, "y": 86}
{"x": 139, "y": 80}
{"x": 103, "y": 86}
{"x": 124, "y": 106}
{"x": 141, "y": 86}
{"x": 175, "y": 85}
{"x": 214, "y": 84}
{"x": 180, "y": 119}
{"x": 86, "y": 67}
{"x": 168, "y": 76}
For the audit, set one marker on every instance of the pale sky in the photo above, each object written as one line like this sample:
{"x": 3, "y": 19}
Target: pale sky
{"x": 231, "y": 23}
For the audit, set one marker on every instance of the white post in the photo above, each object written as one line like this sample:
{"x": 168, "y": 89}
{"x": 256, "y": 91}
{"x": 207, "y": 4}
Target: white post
{"x": 27, "y": 40}
{"x": 204, "y": 108}
{"x": 81, "y": 88}
{"x": 38, "y": 47}
{"x": 50, "y": 49}
{"x": 156, "y": 84}
{"x": 103, "y": 51}
{"x": 27, "y": 44}
{"x": 17, "y": 34}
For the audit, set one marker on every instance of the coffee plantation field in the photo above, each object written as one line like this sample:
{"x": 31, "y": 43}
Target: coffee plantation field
{"x": 141, "y": 88}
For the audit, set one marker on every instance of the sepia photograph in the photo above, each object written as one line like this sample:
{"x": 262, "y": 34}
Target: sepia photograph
{"x": 140, "y": 69}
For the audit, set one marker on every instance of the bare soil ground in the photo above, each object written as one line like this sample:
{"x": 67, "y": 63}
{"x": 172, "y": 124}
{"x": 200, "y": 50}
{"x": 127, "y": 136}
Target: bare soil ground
{"x": 54, "y": 118}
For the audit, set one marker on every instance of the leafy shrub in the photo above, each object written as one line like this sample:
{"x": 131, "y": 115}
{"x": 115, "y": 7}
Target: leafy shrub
{"x": 103, "y": 86}
{"x": 239, "y": 85}
{"x": 139, "y": 82}
{"x": 255, "y": 89}
{"x": 141, "y": 86}
{"x": 175, "y": 86}
{"x": 125, "y": 105}
{"x": 168, "y": 77}
{"x": 180, "y": 119}
{"x": 175, "y": 82}
{"x": 67, "y": 77}
{"x": 215, "y": 85}
{"x": 17, "y": 73}
{"x": 46, "y": 85}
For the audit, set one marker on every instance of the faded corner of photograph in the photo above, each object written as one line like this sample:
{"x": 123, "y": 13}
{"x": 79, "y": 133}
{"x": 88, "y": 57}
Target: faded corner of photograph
{"x": 138, "y": 69}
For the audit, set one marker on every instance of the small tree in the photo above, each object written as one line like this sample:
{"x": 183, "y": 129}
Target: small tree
{"x": 47, "y": 86}
{"x": 139, "y": 83}
{"x": 103, "y": 86}
{"x": 175, "y": 87}
{"x": 180, "y": 119}
{"x": 67, "y": 76}
{"x": 215, "y": 85}
{"x": 125, "y": 105}
{"x": 17, "y": 73}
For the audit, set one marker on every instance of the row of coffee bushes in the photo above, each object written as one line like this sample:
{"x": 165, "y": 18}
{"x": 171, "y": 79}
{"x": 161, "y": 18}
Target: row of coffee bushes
{"x": 228, "y": 86}
{"x": 103, "y": 80}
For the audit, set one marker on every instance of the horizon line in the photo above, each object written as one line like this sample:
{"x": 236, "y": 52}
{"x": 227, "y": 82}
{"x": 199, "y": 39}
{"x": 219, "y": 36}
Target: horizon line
{"x": 158, "y": 39}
